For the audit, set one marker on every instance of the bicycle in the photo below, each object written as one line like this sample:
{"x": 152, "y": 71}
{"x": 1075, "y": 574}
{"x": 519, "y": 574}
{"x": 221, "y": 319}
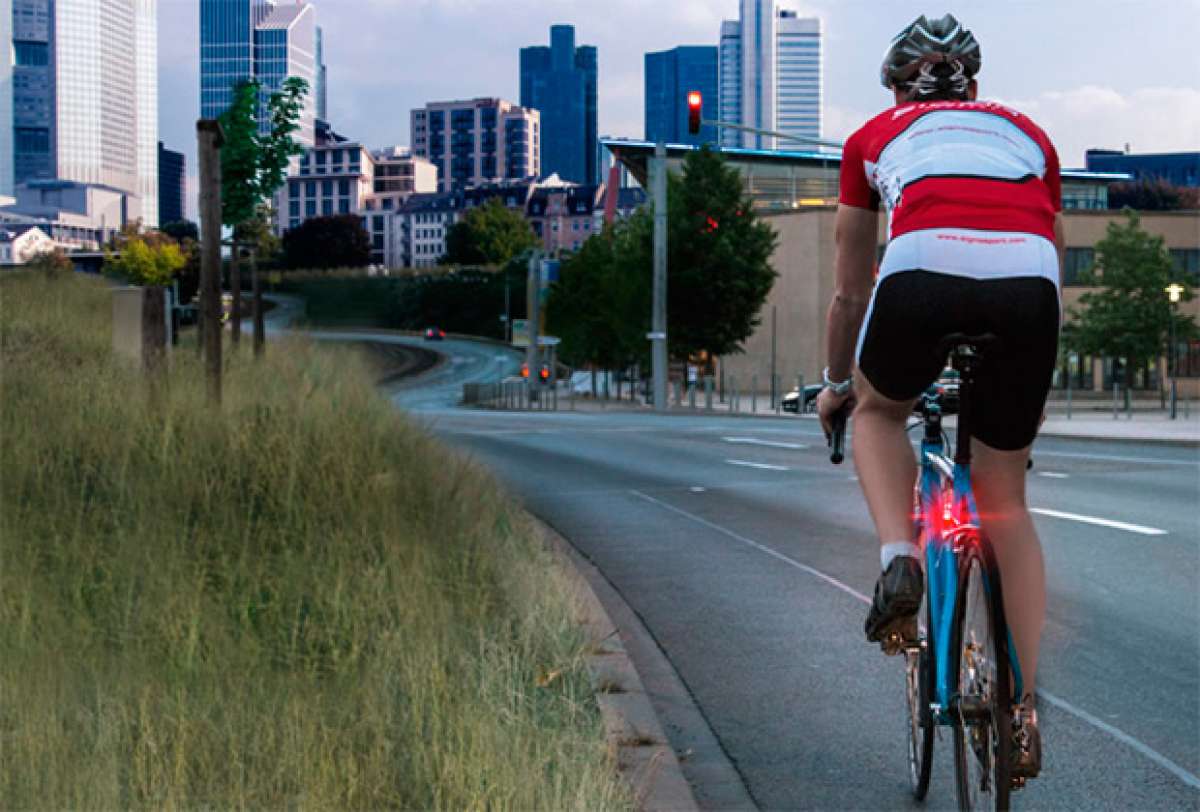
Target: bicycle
{"x": 959, "y": 653}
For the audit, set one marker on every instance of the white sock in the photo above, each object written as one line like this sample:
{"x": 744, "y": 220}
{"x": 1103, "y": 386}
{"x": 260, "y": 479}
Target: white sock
{"x": 894, "y": 548}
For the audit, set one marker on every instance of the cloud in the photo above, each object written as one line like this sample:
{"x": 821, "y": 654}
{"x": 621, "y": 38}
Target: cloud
{"x": 1152, "y": 119}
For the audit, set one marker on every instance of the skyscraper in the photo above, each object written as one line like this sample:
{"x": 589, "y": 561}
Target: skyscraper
{"x": 172, "y": 184}
{"x": 670, "y": 76}
{"x": 560, "y": 82}
{"x": 85, "y": 95}
{"x": 770, "y": 74}
{"x": 6, "y": 109}
{"x": 263, "y": 40}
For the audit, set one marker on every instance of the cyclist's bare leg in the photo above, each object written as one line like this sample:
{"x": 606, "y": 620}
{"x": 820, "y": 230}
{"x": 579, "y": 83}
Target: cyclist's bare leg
{"x": 884, "y": 459}
{"x": 998, "y": 480}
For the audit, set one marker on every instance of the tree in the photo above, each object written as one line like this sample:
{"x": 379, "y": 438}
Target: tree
{"x": 253, "y": 167}
{"x": 181, "y": 231}
{"x": 338, "y": 241}
{"x": 52, "y": 263}
{"x": 149, "y": 263}
{"x": 1129, "y": 316}
{"x": 491, "y": 234}
{"x": 1152, "y": 194}
{"x": 719, "y": 259}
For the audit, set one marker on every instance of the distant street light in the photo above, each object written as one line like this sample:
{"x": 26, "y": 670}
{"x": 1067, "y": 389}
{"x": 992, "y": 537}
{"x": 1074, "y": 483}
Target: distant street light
{"x": 1174, "y": 294}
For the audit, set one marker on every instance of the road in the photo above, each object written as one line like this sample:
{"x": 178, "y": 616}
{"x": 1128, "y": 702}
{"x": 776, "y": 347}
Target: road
{"x": 749, "y": 557}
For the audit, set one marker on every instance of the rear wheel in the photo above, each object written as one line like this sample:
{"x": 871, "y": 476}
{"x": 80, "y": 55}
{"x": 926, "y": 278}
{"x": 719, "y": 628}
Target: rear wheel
{"x": 918, "y": 669}
{"x": 983, "y": 713}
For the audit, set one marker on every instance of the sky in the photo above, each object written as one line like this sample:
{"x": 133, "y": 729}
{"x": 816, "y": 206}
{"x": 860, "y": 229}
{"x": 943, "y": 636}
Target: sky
{"x": 1092, "y": 73}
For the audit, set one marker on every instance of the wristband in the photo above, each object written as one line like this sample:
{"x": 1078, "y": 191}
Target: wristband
{"x": 837, "y": 388}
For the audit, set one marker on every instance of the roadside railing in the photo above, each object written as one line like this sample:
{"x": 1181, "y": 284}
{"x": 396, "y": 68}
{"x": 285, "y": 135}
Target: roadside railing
{"x": 513, "y": 396}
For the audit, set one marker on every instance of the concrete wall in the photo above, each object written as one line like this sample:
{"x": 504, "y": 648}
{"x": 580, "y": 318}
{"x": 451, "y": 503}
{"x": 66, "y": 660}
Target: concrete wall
{"x": 804, "y": 260}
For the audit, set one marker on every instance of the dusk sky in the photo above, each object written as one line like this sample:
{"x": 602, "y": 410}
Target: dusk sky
{"x": 1093, "y": 73}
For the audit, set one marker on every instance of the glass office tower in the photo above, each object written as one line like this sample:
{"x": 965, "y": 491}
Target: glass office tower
{"x": 560, "y": 81}
{"x": 670, "y": 76}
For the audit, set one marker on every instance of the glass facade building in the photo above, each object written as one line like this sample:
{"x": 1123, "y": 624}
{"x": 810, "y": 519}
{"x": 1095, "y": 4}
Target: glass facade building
{"x": 560, "y": 82}
{"x": 770, "y": 75}
{"x": 6, "y": 107}
{"x": 670, "y": 76}
{"x": 1179, "y": 168}
{"x": 265, "y": 41}
{"x": 85, "y": 95}
{"x": 172, "y": 185}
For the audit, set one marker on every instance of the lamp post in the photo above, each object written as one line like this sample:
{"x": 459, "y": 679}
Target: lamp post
{"x": 1174, "y": 294}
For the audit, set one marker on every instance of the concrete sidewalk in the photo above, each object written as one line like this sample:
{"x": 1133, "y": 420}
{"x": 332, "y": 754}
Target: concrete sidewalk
{"x": 1088, "y": 420}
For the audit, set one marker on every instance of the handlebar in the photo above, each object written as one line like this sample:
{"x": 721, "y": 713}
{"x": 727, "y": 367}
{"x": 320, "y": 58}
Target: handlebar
{"x": 837, "y": 439}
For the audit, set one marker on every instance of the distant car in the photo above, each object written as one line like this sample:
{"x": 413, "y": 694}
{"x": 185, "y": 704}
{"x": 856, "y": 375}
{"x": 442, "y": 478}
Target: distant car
{"x": 797, "y": 402}
{"x": 434, "y": 334}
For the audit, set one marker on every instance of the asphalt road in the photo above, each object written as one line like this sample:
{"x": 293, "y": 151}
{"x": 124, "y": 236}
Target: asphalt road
{"x": 748, "y": 557}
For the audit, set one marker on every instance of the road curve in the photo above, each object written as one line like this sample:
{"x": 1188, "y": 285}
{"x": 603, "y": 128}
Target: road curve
{"x": 747, "y": 556}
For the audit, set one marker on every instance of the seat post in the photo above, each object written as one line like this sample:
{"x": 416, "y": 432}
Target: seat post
{"x": 965, "y": 360}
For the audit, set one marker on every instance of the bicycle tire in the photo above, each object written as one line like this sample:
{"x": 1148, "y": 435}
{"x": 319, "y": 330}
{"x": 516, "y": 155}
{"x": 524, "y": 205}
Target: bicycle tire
{"x": 982, "y": 747}
{"x": 918, "y": 679}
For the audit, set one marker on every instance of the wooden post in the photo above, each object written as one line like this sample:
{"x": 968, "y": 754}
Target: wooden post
{"x": 235, "y": 290}
{"x": 260, "y": 336}
{"x": 154, "y": 329}
{"x": 208, "y": 134}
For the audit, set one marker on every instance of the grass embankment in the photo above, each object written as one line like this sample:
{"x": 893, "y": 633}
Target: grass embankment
{"x": 298, "y": 600}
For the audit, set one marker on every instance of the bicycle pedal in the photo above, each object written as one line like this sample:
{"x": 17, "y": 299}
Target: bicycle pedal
{"x": 1017, "y": 783}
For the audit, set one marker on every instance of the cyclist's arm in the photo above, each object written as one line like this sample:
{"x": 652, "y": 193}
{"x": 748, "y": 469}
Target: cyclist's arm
{"x": 855, "y": 235}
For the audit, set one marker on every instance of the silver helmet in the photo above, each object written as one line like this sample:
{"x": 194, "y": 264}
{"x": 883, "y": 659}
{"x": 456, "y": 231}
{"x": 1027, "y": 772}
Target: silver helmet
{"x": 931, "y": 57}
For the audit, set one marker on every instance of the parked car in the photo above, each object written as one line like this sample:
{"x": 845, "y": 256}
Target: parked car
{"x": 434, "y": 334}
{"x": 797, "y": 402}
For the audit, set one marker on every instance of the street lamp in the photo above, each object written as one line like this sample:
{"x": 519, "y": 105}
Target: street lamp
{"x": 1174, "y": 294}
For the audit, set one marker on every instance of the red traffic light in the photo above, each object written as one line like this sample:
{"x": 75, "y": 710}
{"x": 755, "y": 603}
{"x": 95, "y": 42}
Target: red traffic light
{"x": 694, "y": 102}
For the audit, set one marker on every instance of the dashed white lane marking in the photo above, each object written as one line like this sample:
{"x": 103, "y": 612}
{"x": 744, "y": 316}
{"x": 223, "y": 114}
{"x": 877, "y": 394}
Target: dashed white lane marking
{"x": 755, "y": 441}
{"x": 697, "y": 489}
{"x": 1053, "y": 475}
{"x": 1126, "y": 526}
{"x": 763, "y": 465}
{"x": 1116, "y": 458}
{"x": 1183, "y": 775}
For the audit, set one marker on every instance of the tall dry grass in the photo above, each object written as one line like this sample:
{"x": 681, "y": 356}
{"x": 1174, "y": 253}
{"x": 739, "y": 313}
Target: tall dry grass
{"x": 296, "y": 600}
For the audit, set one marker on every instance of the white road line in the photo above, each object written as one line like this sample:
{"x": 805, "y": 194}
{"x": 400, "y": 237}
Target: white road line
{"x": 762, "y": 465}
{"x": 1115, "y": 458}
{"x": 697, "y": 489}
{"x": 1075, "y": 517}
{"x": 1121, "y": 736}
{"x": 1158, "y": 758}
{"x": 771, "y": 443}
{"x": 1052, "y": 475}
{"x": 761, "y": 547}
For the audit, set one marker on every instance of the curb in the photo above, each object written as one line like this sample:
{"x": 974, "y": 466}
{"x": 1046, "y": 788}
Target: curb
{"x": 634, "y": 734}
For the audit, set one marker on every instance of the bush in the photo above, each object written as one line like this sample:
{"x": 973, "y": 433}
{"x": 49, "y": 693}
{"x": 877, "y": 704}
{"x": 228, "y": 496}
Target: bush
{"x": 327, "y": 242}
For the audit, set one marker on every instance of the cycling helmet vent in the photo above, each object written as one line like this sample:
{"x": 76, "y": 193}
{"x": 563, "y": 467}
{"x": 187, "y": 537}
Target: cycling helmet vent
{"x": 931, "y": 58}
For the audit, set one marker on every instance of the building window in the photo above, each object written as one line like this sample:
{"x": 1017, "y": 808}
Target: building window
{"x": 31, "y": 54}
{"x": 1186, "y": 264}
{"x": 327, "y": 207}
{"x": 310, "y": 208}
{"x": 32, "y": 140}
{"x": 344, "y": 188}
{"x": 1076, "y": 264}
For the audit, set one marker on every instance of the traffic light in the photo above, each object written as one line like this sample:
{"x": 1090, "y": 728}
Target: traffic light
{"x": 694, "y": 101}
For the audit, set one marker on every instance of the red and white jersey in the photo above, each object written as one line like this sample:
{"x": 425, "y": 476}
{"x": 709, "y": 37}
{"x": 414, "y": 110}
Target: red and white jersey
{"x": 971, "y": 189}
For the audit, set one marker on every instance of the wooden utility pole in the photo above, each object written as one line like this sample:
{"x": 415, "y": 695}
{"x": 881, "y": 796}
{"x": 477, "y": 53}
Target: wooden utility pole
{"x": 208, "y": 134}
{"x": 260, "y": 337}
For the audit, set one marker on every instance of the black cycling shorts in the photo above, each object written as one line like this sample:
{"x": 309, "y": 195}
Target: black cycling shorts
{"x": 911, "y": 312}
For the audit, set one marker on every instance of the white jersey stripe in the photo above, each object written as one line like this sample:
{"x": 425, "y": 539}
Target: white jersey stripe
{"x": 962, "y": 143}
{"x": 971, "y": 253}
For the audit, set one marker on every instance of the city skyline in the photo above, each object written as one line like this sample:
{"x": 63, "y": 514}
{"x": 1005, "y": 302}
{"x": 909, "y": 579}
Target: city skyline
{"x": 1076, "y": 94}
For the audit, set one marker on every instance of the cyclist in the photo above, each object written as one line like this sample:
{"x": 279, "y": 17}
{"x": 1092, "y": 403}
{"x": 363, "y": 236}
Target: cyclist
{"x": 973, "y": 197}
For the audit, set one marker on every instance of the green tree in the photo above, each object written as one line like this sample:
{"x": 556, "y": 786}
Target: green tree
{"x": 146, "y": 262}
{"x": 719, "y": 258}
{"x": 181, "y": 231}
{"x": 254, "y": 165}
{"x": 338, "y": 241}
{"x": 1129, "y": 315}
{"x": 491, "y": 234}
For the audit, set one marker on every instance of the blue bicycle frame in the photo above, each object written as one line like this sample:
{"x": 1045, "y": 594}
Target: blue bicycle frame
{"x": 947, "y": 526}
